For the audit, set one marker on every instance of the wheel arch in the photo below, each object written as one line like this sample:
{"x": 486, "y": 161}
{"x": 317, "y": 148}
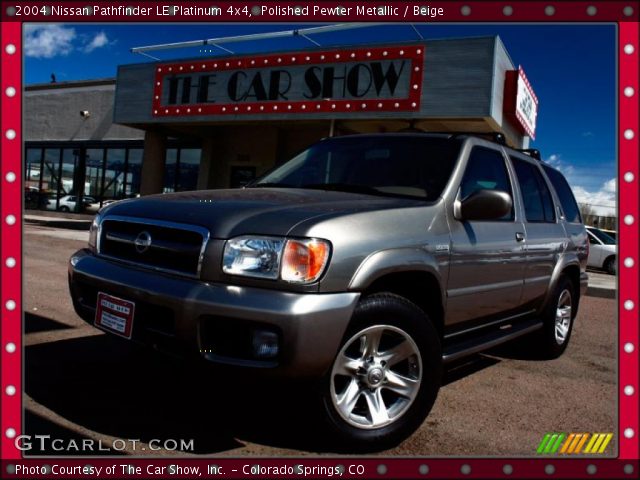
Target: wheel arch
{"x": 419, "y": 287}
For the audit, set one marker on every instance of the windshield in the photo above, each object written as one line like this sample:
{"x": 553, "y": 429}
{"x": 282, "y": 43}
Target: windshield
{"x": 603, "y": 237}
{"x": 391, "y": 165}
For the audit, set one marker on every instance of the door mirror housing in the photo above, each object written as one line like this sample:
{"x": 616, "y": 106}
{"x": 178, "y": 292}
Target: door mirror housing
{"x": 485, "y": 205}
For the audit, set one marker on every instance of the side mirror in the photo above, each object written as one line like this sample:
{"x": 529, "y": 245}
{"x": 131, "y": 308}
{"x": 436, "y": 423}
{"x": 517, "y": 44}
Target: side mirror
{"x": 485, "y": 205}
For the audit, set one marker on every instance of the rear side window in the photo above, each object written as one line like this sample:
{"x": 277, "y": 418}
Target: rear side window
{"x": 486, "y": 170}
{"x": 538, "y": 204}
{"x": 567, "y": 200}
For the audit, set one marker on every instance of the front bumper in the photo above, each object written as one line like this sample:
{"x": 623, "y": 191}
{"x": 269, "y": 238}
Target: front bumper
{"x": 210, "y": 320}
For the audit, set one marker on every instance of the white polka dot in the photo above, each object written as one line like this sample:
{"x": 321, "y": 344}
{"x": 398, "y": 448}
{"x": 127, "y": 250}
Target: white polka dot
{"x": 10, "y": 177}
{"x": 628, "y": 49}
{"x": 10, "y": 433}
{"x": 628, "y": 134}
{"x": 628, "y": 347}
{"x": 628, "y": 262}
{"x": 628, "y": 219}
{"x": 628, "y": 305}
{"x": 629, "y": 433}
{"x": 11, "y": 220}
{"x": 629, "y": 390}
{"x": 10, "y": 390}
{"x": 10, "y": 91}
{"x": 591, "y": 10}
{"x": 628, "y": 177}
{"x": 11, "y": 305}
{"x": 10, "y": 262}
{"x": 10, "y": 347}
{"x": 549, "y": 10}
{"x": 465, "y": 10}
{"x": 10, "y": 49}
{"x": 629, "y": 91}
{"x": 10, "y": 134}
{"x": 507, "y": 11}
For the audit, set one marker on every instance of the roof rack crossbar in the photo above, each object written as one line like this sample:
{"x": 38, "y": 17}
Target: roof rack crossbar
{"x": 532, "y": 152}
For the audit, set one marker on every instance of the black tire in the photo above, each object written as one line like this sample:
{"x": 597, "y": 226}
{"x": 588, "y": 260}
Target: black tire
{"x": 610, "y": 265}
{"x": 64, "y": 208}
{"x": 548, "y": 344}
{"x": 393, "y": 315}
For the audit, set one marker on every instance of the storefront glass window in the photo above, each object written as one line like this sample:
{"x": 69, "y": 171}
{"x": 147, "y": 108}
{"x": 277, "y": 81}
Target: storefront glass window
{"x": 51, "y": 177}
{"x": 134, "y": 172}
{"x": 69, "y": 164}
{"x": 114, "y": 174}
{"x": 170, "y": 170}
{"x": 189, "y": 165}
{"x": 94, "y": 167}
{"x": 32, "y": 170}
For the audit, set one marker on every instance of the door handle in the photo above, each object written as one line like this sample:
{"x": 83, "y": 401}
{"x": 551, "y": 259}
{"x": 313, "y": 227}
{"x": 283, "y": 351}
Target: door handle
{"x": 519, "y": 236}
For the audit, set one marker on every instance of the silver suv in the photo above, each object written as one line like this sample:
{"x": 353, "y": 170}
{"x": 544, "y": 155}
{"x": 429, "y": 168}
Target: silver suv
{"x": 367, "y": 262}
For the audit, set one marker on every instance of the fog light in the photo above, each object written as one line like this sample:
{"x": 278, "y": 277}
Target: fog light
{"x": 265, "y": 344}
{"x": 74, "y": 260}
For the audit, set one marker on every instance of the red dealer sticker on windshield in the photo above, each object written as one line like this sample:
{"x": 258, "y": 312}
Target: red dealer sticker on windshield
{"x": 114, "y": 314}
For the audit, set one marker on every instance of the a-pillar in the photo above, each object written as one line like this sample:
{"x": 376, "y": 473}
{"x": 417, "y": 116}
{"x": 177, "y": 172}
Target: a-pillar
{"x": 155, "y": 147}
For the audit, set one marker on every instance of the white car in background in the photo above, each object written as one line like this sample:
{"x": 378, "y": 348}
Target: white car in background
{"x": 602, "y": 250}
{"x": 68, "y": 204}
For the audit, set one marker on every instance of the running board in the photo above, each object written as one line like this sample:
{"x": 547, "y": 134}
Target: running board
{"x": 489, "y": 340}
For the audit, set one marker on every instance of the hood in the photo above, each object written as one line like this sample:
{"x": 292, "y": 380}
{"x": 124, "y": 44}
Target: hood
{"x": 266, "y": 211}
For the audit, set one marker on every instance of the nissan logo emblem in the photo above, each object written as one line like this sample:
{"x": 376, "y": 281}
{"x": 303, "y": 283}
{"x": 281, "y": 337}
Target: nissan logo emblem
{"x": 142, "y": 242}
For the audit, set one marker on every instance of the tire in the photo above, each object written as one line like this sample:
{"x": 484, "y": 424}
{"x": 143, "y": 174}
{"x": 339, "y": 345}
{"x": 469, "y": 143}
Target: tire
{"x": 373, "y": 398}
{"x": 64, "y": 208}
{"x": 610, "y": 265}
{"x": 557, "y": 317}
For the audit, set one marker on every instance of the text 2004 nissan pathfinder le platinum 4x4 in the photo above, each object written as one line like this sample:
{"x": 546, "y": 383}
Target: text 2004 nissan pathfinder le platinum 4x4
{"x": 367, "y": 262}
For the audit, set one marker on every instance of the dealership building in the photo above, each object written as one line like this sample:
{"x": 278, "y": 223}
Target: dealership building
{"x": 218, "y": 122}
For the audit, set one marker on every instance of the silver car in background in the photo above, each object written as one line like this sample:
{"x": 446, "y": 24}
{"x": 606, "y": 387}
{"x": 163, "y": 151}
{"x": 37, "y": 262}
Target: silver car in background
{"x": 602, "y": 250}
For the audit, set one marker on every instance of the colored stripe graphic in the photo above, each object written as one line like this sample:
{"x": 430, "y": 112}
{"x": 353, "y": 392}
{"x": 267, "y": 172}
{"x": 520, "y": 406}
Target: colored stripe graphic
{"x": 573, "y": 443}
{"x": 567, "y": 443}
{"x": 605, "y": 442}
{"x": 590, "y": 443}
{"x": 543, "y": 443}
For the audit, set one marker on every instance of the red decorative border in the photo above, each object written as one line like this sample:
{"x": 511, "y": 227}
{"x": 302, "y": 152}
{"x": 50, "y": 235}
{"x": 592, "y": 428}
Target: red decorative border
{"x": 626, "y": 465}
{"x": 11, "y": 235}
{"x": 628, "y": 219}
{"x": 415, "y": 53}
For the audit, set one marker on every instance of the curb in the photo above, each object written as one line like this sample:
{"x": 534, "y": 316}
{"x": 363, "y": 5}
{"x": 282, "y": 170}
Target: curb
{"x": 601, "y": 292}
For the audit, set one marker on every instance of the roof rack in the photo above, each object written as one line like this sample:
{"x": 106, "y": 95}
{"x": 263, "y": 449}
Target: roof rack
{"x": 532, "y": 152}
{"x": 496, "y": 137}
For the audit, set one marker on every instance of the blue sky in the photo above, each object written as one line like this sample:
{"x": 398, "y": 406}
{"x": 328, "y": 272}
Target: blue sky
{"x": 572, "y": 69}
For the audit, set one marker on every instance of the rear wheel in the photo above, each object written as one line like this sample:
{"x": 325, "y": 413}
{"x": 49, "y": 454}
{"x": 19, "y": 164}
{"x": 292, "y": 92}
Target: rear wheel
{"x": 64, "y": 208}
{"x": 557, "y": 318}
{"x": 610, "y": 265}
{"x": 386, "y": 376}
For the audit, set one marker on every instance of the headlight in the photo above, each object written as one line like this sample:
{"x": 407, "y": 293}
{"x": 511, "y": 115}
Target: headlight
{"x": 93, "y": 233}
{"x": 294, "y": 261}
{"x": 253, "y": 256}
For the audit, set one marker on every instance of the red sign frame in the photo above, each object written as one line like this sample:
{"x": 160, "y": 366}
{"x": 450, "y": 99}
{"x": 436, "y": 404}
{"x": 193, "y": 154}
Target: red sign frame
{"x": 415, "y": 53}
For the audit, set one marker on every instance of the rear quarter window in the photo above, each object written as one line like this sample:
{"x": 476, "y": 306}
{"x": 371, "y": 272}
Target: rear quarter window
{"x": 565, "y": 195}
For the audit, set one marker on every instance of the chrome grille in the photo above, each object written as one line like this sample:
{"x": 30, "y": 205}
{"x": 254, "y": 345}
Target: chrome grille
{"x": 160, "y": 245}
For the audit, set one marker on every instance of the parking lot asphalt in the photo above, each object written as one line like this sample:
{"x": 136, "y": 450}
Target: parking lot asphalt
{"x": 83, "y": 384}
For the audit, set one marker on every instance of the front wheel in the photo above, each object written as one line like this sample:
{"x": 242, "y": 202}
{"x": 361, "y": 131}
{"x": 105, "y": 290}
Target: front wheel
{"x": 386, "y": 376}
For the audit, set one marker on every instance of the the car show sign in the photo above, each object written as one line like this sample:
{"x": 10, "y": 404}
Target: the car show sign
{"x": 520, "y": 101}
{"x": 345, "y": 80}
